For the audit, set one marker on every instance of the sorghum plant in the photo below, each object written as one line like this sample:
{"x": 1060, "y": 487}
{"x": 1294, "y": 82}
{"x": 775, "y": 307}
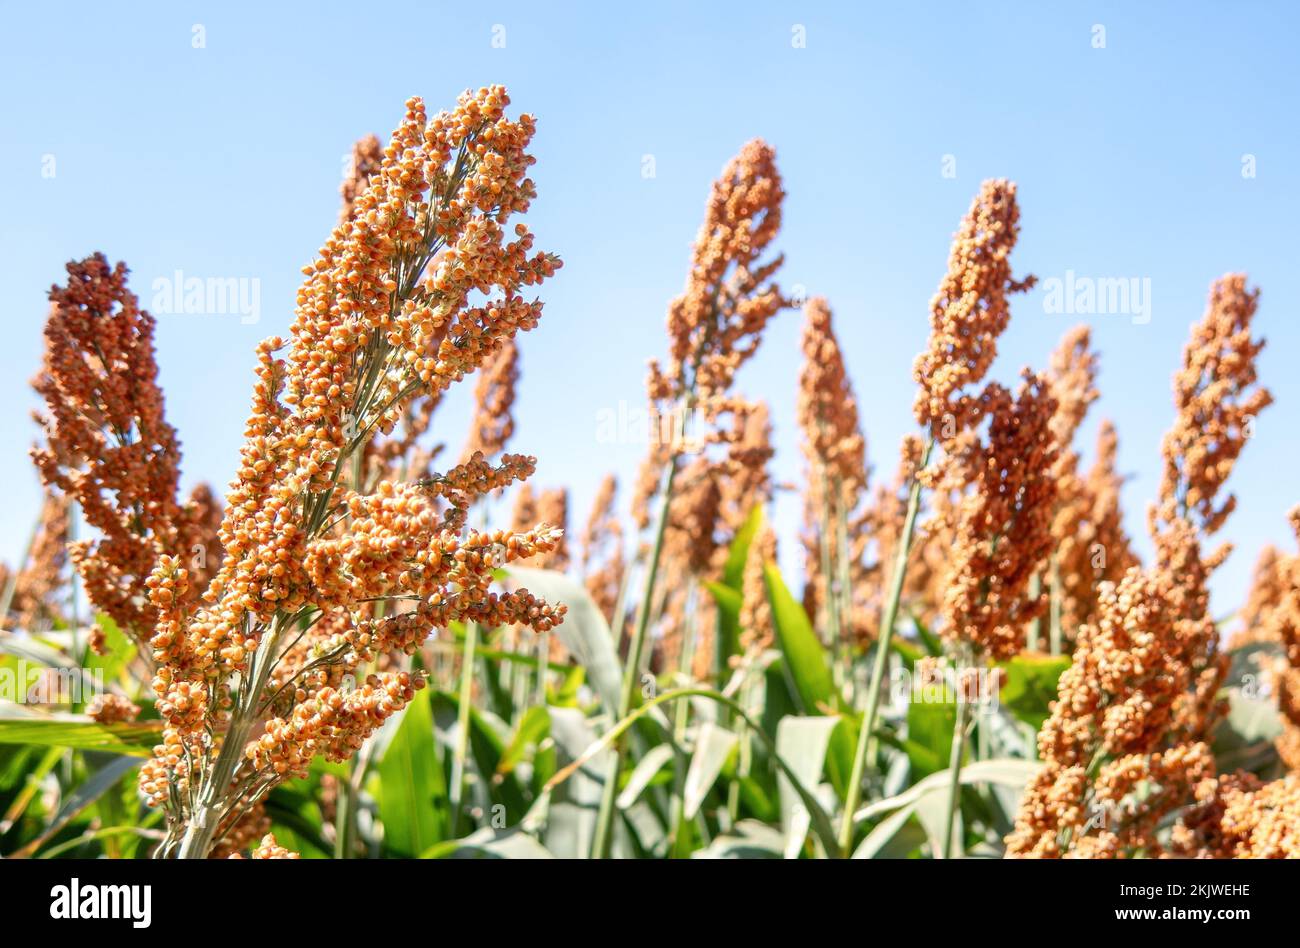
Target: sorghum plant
{"x": 1125, "y": 742}
{"x": 108, "y": 445}
{"x": 317, "y": 577}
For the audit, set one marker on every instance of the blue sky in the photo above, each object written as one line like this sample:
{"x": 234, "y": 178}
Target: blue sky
{"x": 224, "y": 161}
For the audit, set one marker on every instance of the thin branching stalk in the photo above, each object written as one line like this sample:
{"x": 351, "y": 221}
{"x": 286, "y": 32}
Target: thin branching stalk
{"x": 603, "y": 840}
{"x": 11, "y": 587}
{"x": 204, "y": 820}
{"x": 846, "y": 599}
{"x": 681, "y": 720}
{"x": 1034, "y": 635}
{"x": 461, "y": 752}
{"x": 543, "y": 668}
{"x": 954, "y": 766}
{"x": 866, "y": 737}
{"x": 1057, "y": 594}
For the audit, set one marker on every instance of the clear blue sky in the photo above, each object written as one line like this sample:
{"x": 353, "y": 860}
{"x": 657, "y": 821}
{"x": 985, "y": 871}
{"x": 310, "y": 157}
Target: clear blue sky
{"x": 225, "y": 162}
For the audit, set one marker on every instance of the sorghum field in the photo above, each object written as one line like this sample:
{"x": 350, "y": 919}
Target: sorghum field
{"x": 382, "y": 639}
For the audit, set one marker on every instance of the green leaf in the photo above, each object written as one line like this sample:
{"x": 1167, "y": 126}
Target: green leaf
{"x": 907, "y": 651}
{"x": 650, "y": 766}
{"x": 728, "y": 603}
{"x": 932, "y": 813}
{"x": 584, "y": 631}
{"x": 749, "y": 839}
{"x": 894, "y": 837}
{"x": 412, "y": 791}
{"x": 532, "y": 730}
{"x": 486, "y": 749}
{"x": 489, "y": 843}
{"x": 805, "y": 659}
{"x": 1244, "y": 738}
{"x": 81, "y": 733}
{"x": 733, "y": 573}
{"x": 94, "y": 787}
{"x": 120, "y": 650}
{"x": 1031, "y": 685}
{"x": 1003, "y": 772}
{"x": 713, "y": 746}
{"x": 928, "y": 638}
{"x": 802, "y": 743}
{"x": 929, "y": 735}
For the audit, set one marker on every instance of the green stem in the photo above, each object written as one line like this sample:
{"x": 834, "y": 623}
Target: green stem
{"x": 866, "y": 737}
{"x": 343, "y": 822}
{"x": 202, "y": 825}
{"x": 462, "y": 725}
{"x": 1054, "y": 630}
{"x": 681, "y": 720}
{"x": 954, "y": 765}
{"x": 543, "y": 667}
{"x": 846, "y": 600}
{"x": 820, "y": 822}
{"x": 603, "y": 840}
{"x": 1034, "y": 637}
{"x": 11, "y": 587}
{"x": 829, "y": 591}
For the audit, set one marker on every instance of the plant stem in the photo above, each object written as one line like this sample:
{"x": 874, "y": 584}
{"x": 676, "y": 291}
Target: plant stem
{"x": 846, "y": 602}
{"x": 681, "y": 720}
{"x": 343, "y": 822}
{"x": 543, "y": 667}
{"x": 1054, "y": 630}
{"x": 462, "y": 725}
{"x": 11, "y": 587}
{"x": 829, "y": 591}
{"x": 600, "y": 847}
{"x": 202, "y": 825}
{"x": 866, "y": 738}
{"x": 954, "y": 765}
{"x": 1035, "y": 635}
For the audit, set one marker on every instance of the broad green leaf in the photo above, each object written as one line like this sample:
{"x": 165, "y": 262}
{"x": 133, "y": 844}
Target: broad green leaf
{"x": 584, "y": 631}
{"x": 713, "y": 746}
{"x": 1244, "y": 739}
{"x": 932, "y": 813}
{"x": 728, "y": 603}
{"x": 927, "y": 638}
{"x": 94, "y": 787}
{"x": 801, "y": 742}
{"x": 929, "y": 735}
{"x": 651, "y": 764}
{"x": 566, "y": 694}
{"x": 296, "y": 821}
{"x": 486, "y": 748}
{"x": 571, "y": 819}
{"x": 805, "y": 659}
{"x": 909, "y": 652}
{"x": 81, "y": 733}
{"x": 120, "y": 650}
{"x": 1004, "y": 772}
{"x": 733, "y": 573}
{"x": 1031, "y": 684}
{"x": 532, "y": 730}
{"x": 412, "y": 791}
{"x": 749, "y": 839}
{"x": 894, "y": 837}
{"x": 489, "y": 843}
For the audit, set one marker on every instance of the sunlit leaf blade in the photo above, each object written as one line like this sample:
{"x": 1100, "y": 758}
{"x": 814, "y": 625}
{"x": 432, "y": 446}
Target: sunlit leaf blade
{"x": 805, "y": 659}
{"x": 82, "y": 733}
